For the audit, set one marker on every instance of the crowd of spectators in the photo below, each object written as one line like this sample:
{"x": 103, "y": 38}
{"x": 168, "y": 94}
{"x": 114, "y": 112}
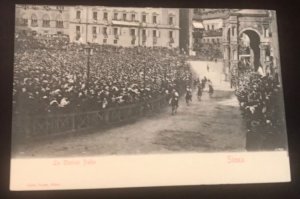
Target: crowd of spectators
{"x": 260, "y": 98}
{"x": 208, "y": 51}
{"x": 50, "y": 75}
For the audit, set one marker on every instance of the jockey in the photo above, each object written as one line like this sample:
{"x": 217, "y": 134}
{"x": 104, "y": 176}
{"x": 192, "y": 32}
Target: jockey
{"x": 188, "y": 96}
{"x": 175, "y": 94}
{"x": 188, "y": 91}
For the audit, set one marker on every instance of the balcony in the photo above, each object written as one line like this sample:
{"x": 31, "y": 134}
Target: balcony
{"x": 213, "y": 33}
{"x": 197, "y": 34}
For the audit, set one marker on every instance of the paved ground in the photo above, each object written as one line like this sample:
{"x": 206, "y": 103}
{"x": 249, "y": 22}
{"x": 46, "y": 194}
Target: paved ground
{"x": 211, "y": 125}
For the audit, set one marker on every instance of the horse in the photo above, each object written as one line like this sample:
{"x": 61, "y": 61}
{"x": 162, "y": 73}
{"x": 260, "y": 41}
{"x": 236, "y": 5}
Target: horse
{"x": 188, "y": 97}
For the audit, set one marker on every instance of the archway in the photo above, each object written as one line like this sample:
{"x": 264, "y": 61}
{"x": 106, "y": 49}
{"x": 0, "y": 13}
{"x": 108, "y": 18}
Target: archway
{"x": 253, "y": 45}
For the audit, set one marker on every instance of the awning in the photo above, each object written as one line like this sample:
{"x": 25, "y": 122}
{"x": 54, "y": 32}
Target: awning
{"x": 198, "y": 25}
{"x": 125, "y": 23}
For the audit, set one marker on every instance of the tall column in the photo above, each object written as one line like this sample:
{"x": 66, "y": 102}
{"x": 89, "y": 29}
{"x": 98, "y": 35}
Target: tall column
{"x": 226, "y": 60}
{"x": 263, "y": 47}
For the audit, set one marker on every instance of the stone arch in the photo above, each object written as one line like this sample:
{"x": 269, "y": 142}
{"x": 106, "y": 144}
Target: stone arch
{"x": 255, "y": 40}
{"x": 250, "y": 29}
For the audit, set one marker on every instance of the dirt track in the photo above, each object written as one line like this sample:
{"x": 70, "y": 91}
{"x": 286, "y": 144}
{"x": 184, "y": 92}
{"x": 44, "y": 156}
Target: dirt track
{"x": 210, "y": 125}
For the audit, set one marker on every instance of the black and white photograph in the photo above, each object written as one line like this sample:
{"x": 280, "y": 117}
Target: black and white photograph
{"x": 100, "y": 81}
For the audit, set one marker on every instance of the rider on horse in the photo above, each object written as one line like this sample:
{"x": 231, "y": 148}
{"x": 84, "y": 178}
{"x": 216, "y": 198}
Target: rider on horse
{"x": 188, "y": 96}
{"x": 174, "y": 100}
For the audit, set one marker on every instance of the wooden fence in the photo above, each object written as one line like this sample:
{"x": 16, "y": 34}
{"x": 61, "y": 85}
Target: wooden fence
{"x": 25, "y": 127}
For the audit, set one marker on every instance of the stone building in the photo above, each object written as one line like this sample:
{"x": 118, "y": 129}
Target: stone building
{"x": 42, "y": 19}
{"x": 125, "y": 26}
{"x": 103, "y": 25}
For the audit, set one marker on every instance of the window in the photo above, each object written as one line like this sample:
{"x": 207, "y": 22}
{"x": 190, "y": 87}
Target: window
{"x": 144, "y": 18}
{"x": 212, "y": 27}
{"x": 59, "y": 24}
{"x": 144, "y": 33}
{"x": 132, "y": 17}
{"x": 24, "y": 21}
{"x": 171, "y": 20}
{"x": 104, "y": 31}
{"x": 34, "y": 22}
{"x": 105, "y": 16}
{"x": 78, "y": 13}
{"x": 104, "y": 41}
{"x": 115, "y": 31}
{"x": 115, "y": 41}
{"x": 95, "y": 15}
{"x": 124, "y": 16}
{"x": 154, "y": 33}
{"x": 77, "y": 32}
{"x": 171, "y": 34}
{"x": 46, "y": 21}
{"x": 132, "y": 41}
{"x": 94, "y": 30}
{"x": 171, "y": 37}
{"x": 115, "y": 16}
{"x": 154, "y": 19}
{"x": 208, "y": 27}
{"x": 233, "y": 29}
{"x": 132, "y": 32}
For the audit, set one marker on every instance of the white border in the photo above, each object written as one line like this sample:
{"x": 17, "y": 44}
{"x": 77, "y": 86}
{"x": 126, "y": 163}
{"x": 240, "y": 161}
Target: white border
{"x": 149, "y": 170}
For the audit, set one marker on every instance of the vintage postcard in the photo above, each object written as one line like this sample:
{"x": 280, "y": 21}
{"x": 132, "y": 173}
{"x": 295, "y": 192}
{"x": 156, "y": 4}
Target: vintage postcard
{"x": 110, "y": 97}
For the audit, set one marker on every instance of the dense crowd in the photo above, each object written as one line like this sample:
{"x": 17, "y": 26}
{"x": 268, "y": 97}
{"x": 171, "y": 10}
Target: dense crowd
{"x": 260, "y": 98}
{"x": 208, "y": 51}
{"x": 51, "y": 76}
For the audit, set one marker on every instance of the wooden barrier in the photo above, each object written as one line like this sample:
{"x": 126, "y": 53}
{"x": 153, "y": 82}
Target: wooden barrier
{"x": 25, "y": 127}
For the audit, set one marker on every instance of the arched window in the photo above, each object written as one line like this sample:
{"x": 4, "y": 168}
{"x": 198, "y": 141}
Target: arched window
{"x": 59, "y": 22}
{"x": 34, "y": 21}
{"x": 171, "y": 19}
{"x": 46, "y": 21}
{"x": 23, "y": 20}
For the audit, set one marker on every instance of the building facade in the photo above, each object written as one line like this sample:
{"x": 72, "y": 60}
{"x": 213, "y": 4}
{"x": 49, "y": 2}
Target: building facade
{"x": 124, "y": 26}
{"x": 103, "y": 25}
{"x": 43, "y": 20}
{"x": 212, "y": 21}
